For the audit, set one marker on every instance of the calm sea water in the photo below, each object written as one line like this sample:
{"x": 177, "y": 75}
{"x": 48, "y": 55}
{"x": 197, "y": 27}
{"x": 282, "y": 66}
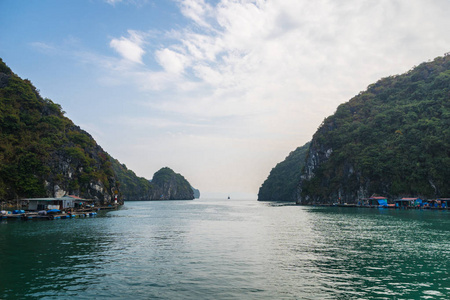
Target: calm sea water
{"x": 230, "y": 249}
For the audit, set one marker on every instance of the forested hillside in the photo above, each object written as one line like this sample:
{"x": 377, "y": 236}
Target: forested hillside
{"x": 165, "y": 185}
{"x": 42, "y": 153}
{"x": 131, "y": 186}
{"x": 169, "y": 185}
{"x": 392, "y": 139}
{"x": 281, "y": 185}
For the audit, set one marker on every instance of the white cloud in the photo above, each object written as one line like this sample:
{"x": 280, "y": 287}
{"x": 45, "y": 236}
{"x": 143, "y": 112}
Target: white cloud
{"x": 262, "y": 75}
{"x": 130, "y": 48}
{"x": 252, "y": 54}
{"x": 138, "y": 3}
{"x": 171, "y": 61}
{"x": 197, "y": 10}
{"x": 44, "y": 47}
{"x": 113, "y": 2}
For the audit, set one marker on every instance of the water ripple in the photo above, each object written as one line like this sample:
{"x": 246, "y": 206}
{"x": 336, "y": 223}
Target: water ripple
{"x": 207, "y": 249}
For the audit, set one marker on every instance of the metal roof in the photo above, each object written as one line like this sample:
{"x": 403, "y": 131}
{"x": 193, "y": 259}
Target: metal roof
{"x": 65, "y": 198}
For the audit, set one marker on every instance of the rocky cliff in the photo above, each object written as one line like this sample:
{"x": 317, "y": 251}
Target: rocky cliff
{"x": 168, "y": 185}
{"x": 392, "y": 139}
{"x": 42, "y": 153}
{"x": 132, "y": 187}
{"x": 196, "y": 193}
{"x": 281, "y": 184}
{"x": 165, "y": 185}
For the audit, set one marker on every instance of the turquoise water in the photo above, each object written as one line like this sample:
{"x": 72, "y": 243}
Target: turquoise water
{"x": 230, "y": 249}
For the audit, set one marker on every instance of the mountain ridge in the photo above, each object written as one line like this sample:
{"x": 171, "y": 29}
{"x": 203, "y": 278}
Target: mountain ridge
{"x": 44, "y": 154}
{"x": 281, "y": 183}
{"x": 392, "y": 139}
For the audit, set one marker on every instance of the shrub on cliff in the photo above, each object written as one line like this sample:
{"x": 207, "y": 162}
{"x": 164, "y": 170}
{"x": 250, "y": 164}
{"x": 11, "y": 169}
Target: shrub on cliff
{"x": 165, "y": 185}
{"x": 392, "y": 139}
{"x": 281, "y": 184}
{"x": 42, "y": 152}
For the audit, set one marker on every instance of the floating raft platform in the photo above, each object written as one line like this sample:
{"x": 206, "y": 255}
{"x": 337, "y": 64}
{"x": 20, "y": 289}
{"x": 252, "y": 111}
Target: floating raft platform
{"x": 32, "y": 215}
{"x": 36, "y": 216}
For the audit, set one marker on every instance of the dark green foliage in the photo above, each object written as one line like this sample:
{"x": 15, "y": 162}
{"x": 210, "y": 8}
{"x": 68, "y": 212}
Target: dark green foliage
{"x": 77, "y": 155}
{"x": 281, "y": 185}
{"x": 171, "y": 185}
{"x": 395, "y": 136}
{"x": 164, "y": 175}
{"x": 40, "y": 147}
{"x": 165, "y": 185}
{"x": 4, "y": 68}
{"x": 30, "y": 171}
{"x": 131, "y": 186}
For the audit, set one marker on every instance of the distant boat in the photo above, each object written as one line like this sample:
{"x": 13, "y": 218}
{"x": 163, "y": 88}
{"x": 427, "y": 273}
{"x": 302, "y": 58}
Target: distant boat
{"x": 228, "y": 197}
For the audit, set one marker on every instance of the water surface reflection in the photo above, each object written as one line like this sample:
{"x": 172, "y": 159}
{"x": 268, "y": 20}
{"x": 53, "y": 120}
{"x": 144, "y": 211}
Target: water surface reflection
{"x": 217, "y": 249}
{"x": 50, "y": 258}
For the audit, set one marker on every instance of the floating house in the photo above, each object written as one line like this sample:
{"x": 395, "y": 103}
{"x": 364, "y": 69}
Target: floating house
{"x": 60, "y": 203}
{"x": 445, "y": 202}
{"x": 433, "y": 203}
{"x": 377, "y": 201}
{"x": 408, "y": 202}
{"x": 438, "y": 203}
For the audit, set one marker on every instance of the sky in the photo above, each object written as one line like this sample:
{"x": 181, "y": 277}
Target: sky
{"x": 220, "y": 91}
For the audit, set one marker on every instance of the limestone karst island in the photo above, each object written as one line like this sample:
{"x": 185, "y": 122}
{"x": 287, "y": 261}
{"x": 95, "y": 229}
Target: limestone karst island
{"x": 49, "y": 163}
{"x": 390, "y": 141}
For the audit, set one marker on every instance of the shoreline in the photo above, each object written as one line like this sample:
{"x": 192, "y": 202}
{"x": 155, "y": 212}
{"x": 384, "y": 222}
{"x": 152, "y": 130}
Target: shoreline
{"x": 375, "y": 206}
{"x": 34, "y": 215}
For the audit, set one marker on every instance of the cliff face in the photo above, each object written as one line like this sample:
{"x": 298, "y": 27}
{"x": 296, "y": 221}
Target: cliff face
{"x": 169, "y": 185}
{"x": 196, "y": 193}
{"x": 281, "y": 184}
{"x": 165, "y": 185}
{"x": 132, "y": 187}
{"x": 42, "y": 153}
{"x": 392, "y": 139}
{"x": 86, "y": 173}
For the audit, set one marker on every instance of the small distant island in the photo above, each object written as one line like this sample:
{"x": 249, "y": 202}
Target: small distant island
{"x": 165, "y": 185}
{"x": 44, "y": 154}
{"x": 392, "y": 139}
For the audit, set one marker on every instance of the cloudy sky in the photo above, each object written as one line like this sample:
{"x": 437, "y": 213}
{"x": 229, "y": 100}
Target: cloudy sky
{"x": 220, "y": 91}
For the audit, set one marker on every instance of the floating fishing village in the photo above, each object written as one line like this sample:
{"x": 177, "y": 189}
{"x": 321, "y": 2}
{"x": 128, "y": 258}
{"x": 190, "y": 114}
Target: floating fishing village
{"x": 65, "y": 207}
{"x": 401, "y": 203}
{"x": 70, "y": 206}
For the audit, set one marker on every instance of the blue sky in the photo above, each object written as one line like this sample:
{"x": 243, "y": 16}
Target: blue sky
{"x": 220, "y": 91}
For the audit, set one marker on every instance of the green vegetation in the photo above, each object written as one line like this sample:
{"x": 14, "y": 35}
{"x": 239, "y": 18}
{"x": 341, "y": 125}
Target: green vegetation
{"x": 42, "y": 152}
{"x": 165, "y": 185}
{"x": 131, "y": 186}
{"x": 171, "y": 185}
{"x": 40, "y": 148}
{"x": 392, "y": 139}
{"x": 281, "y": 185}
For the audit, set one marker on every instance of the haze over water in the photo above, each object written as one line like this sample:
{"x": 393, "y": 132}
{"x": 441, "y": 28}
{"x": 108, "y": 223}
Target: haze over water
{"x": 229, "y": 249}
